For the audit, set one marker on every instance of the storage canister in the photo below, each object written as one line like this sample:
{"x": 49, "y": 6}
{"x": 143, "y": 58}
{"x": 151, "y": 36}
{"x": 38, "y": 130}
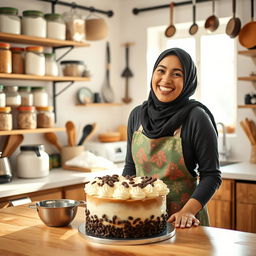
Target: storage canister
{"x": 13, "y": 98}
{"x": 33, "y": 23}
{"x": 45, "y": 117}
{"x": 26, "y": 117}
{"x": 35, "y": 61}
{"x": 5, "y": 58}
{"x": 9, "y": 20}
{"x": 51, "y": 66}
{"x": 26, "y": 96}
{"x": 55, "y": 26}
{"x": 32, "y": 162}
{"x": 40, "y": 97}
{"x": 2, "y": 97}
{"x": 5, "y": 119}
{"x": 72, "y": 67}
{"x": 17, "y": 60}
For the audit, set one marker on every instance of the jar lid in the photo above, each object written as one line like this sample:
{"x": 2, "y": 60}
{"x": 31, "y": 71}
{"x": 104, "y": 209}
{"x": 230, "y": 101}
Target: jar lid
{"x": 5, "y": 109}
{"x": 17, "y": 49}
{"x": 11, "y": 88}
{"x": 37, "y": 88}
{"x": 8, "y": 10}
{"x": 1, "y": 87}
{"x": 4, "y": 45}
{"x": 49, "y": 54}
{"x": 26, "y": 108}
{"x": 25, "y": 88}
{"x": 46, "y": 108}
{"x": 34, "y": 49}
{"x": 32, "y": 13}
{"x": 78, "y": 62}
{"x": 32, "y": 147}
{"x": 52, "y": 16}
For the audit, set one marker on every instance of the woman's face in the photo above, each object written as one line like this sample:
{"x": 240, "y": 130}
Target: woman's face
{"x": 168, "y": 79}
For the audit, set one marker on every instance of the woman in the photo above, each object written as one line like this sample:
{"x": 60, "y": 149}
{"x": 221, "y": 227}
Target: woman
{"x": 175, "y": 139}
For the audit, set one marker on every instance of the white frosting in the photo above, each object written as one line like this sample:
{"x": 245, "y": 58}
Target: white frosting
{"x": 115, "y": 188}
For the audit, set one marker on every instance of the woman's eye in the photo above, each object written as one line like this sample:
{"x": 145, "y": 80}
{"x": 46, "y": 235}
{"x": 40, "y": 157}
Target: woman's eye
{"x": 161, "y": 71}
{"x": 177, "y": 74}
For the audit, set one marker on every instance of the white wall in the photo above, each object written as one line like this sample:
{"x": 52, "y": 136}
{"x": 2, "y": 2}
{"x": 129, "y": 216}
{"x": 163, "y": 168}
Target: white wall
{"x": 124, "y": 26}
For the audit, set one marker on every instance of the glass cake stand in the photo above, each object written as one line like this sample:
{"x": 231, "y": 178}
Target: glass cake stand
{"x": 167, "y": 234}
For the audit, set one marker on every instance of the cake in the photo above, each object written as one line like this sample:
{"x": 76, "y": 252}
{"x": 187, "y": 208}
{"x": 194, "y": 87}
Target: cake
{"x": 125, "y": 207}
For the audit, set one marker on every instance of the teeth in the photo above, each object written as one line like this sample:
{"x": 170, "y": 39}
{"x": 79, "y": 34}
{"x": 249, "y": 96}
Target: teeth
{"x": 165, "y": 89}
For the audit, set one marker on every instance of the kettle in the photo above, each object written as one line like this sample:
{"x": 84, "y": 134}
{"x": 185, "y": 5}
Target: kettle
{"x": 5, "y": 170}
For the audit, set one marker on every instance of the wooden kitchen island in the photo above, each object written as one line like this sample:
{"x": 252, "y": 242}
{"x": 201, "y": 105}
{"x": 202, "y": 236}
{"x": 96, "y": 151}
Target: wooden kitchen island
{"x": 23, "y": 233}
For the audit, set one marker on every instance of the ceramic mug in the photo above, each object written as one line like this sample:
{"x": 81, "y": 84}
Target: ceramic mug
{"x": 69, "y": 152}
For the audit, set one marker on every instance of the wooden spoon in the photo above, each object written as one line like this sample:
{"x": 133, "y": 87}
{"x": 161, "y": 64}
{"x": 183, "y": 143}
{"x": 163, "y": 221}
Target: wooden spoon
{"x": 13, "y": 142}
{"x": 71, "y": 132}
{"x": 52, "y": 138}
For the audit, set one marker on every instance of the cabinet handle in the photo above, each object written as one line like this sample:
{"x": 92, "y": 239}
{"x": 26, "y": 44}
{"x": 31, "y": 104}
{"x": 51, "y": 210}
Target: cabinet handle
{"x": 20, "y": 201}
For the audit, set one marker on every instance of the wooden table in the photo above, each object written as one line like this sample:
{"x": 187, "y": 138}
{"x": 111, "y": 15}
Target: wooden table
{"x": 23, "y": 233}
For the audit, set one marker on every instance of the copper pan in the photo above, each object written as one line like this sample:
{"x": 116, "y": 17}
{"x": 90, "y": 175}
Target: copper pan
{"x": 212, "y": 23}
{"x": 247, "y": 35}
{"x": 234, "y": 25}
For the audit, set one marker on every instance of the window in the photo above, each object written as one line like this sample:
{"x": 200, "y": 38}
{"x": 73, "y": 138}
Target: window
{"x": 214, "y": 56}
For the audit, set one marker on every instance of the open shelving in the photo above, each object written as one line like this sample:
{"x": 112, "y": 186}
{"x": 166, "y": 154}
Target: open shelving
{"x": 99, "y": 104}
{"x": 253, "y": 106}
{"x": 30, "y": 131}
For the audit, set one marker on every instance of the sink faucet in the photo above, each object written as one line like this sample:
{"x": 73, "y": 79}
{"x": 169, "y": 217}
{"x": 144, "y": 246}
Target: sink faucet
{"x": 224, "y": 150}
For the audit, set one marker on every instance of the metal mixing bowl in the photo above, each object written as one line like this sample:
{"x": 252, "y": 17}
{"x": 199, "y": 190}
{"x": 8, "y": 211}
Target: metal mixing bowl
{"x": 57, "y": 213}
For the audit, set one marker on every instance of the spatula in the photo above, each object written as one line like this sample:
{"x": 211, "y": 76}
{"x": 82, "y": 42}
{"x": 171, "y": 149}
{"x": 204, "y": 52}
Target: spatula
{"x": 13, "y": 141}
{"x": 52, "y": 138}
{"x": 71, "y": 132}
{"x": 88, "y": 130}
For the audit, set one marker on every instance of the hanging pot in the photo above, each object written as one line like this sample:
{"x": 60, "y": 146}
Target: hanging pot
{"x": 171, "y": 30}
{"x": 194, "y": 27}
{"x": 212, "y": 23}
{"x": 234, "y": 25}
{"x": 247, "y": 35}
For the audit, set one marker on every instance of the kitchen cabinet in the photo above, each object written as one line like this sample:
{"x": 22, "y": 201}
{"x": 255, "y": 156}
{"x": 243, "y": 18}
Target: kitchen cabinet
{"x": 75, "y": 192}
{"x": 246, "y": 206}
{"x": 222, "y": 206}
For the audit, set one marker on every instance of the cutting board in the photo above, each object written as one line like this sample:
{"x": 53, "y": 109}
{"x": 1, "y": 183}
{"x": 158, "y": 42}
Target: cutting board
{"x": 82, "y": 169}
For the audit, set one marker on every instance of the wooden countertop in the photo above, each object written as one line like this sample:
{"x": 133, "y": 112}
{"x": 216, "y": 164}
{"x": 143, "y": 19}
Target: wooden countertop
{"x": 23, "y": 233}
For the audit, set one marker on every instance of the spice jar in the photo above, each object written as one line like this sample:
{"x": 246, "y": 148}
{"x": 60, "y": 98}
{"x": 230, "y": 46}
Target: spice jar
{"x": 2, "y": 97}
{"x": 5, "y": 119}
{"x": 51, "y": 66}
{"x": 13, "y": 98}
{"x": 5, "y": 58}
{"x": 26, "y": 117}
{"x": 9, "y": 20}
{"x": 45, "y": 117}
{"x": 17, "y": 60}
{"x": 40, "y": 97}
{"x": 26, "y": 96}
{"x": 36, "y": 158}
{"x": 33, "y": 23}
{"x": 35, "y": 61}
{"x": 55, "y": 26}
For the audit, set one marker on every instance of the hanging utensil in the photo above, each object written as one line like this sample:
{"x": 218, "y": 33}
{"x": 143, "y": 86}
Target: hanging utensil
{"x": 171, "y": 30}
{"x": 212, "y": 23}
{"x": 194, "y": 27}
{"x": 52, "y": 138}
{"x": 247, "y": 37}
{"x": 13, "y": 141}
{"x": 127, "y": 73}
{"x": 88, "y": 130}
{"x": 71, "y": 132}
{"x": 234, "y": 25}
{"x": 107, "y": 92}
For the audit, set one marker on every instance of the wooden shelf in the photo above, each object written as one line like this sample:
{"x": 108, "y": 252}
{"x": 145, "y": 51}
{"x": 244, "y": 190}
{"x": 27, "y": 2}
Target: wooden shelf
{"x": 99, "y": 104}
{"x": 30, "y": 131}
{"x": 31, "y": 40}
{"x": 250, "y": 53}
{"x": 253, "y": 106}
{"x": 247, "y": 78}
{"x": 42, "y": 78}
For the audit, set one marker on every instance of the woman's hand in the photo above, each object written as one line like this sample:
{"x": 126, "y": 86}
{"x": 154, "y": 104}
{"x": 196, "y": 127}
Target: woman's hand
{"x": 184, "y": 220}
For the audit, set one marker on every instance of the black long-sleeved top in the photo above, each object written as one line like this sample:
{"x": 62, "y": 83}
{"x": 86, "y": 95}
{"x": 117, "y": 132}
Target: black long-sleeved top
{"x": 200, "y": 150}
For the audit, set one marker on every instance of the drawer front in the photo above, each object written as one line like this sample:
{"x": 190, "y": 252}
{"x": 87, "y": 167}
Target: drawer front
{"x": 246, "y": 193}
{"x": 225, "y": 191}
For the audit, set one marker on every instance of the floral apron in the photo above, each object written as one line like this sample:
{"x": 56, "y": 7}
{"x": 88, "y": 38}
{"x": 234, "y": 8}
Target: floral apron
{"x": 163, "y": 158}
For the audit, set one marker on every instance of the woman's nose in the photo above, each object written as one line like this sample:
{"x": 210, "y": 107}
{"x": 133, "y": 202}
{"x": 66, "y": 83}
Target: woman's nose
{"x": 166, "y": 78}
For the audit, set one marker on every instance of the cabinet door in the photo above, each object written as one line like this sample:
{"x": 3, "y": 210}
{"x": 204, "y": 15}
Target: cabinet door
{"x": 46, "y": 195}
{"x": 75, "y": 192}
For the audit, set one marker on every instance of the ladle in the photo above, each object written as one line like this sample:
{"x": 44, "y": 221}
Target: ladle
{"x": 71, "y": 132}
{"x": 170, "y": 31}
{"x": 194, "y": 27}
{"x": 52, "y": 138}
{"x": 212, "y": 23}
{"x": 88, "y": 130}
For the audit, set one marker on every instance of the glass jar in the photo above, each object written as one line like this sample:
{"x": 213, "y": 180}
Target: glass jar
{"x": 17, "y": 60}
{"x": 5, "y": 58}
{"x": 26, "y": 117}
{"x": 40, "y": 97}
{"x": 45, "y": 117}
{"x": 26, "y": 96}
{"x": 13, "y": 98}
{"x": 33, "y": 23}
{"x": 2, "y": 97}
{"x": 9, "y": 20}
{"x": 36, "y": 158}
{"x": 5, "y": 119}
{"x": 56, "y": 27}
{"x": 72, "y": 67}
{"x": 35, "y": 61}
{"x": 51, "y": 66}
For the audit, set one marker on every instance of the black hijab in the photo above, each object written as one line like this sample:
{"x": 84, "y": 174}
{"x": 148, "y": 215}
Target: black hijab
{"x": 160, "y": 119}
